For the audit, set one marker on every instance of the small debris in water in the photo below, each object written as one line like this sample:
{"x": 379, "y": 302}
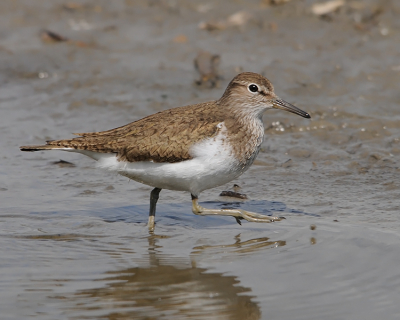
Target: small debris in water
{"x": 50, "y": 36}
{"x": 287, "y": 164}
{"x": 324, "y": 8}
{"x": 236, "y": 187}
{"x": 313, "y": 240}
{"x": 64, "y": 164}
{"x": 43, "y": 75}
{"x": 233, "y": 194}
{"x": 313, "y": 227}
{"x": 237, "y": 19}
{"x": 276, "y": 2}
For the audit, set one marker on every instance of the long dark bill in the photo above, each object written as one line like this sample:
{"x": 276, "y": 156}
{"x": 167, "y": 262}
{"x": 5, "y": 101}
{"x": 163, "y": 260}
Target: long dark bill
{"x": 281, "y": 104}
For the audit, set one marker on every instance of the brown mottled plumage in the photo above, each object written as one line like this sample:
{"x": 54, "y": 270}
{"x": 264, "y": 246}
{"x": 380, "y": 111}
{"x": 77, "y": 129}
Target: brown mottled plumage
{"x": 189, "y": 148}
{"x": 162, "y": 137}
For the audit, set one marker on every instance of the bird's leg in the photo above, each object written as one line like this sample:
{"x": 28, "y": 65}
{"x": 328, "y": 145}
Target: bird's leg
{"x": 153, "y": 202}
{"x": 238, "y": 214}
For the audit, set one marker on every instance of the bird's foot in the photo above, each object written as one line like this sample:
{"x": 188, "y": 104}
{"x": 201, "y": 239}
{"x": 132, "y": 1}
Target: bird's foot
{"x": 254, "y": 217}
{"x": 238, "y": 214}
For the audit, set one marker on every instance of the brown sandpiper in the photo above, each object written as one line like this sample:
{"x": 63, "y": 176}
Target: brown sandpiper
{"x": 190, "y": 148}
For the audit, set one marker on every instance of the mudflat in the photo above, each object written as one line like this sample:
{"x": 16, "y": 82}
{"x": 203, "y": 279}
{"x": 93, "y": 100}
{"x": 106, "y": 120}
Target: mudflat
{"x": 73, "y": 238}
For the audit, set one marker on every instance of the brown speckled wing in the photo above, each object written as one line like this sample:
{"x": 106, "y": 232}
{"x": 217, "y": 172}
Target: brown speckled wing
{"x": 162, "y": 137}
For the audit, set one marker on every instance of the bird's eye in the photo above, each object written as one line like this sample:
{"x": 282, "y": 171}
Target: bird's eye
{"x": 253, "y": 88}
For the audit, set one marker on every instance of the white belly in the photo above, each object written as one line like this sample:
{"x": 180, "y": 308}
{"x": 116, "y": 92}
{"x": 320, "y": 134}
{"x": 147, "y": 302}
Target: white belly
{"x": 213, "y": 164}
{"x": 193, "y": 175}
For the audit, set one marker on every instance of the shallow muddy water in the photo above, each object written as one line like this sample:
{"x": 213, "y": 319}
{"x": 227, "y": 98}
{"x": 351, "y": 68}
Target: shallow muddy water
{"x": 73, "y": 238}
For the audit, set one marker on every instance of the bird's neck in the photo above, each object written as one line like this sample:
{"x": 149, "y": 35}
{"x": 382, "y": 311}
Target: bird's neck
{"x": 246, "y": 133}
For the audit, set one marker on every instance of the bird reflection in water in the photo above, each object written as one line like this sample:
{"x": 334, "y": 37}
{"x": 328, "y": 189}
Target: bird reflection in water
{"x": 172, "y": 288}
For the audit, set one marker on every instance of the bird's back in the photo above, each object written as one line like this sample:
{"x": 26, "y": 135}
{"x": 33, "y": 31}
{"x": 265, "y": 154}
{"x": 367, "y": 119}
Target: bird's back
{"x": 166, "y": 136}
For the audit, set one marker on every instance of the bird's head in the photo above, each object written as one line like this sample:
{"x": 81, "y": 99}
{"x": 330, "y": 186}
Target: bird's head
{"x": 253, "y": 91}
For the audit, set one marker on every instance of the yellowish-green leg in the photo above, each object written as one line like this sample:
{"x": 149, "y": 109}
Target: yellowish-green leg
{"x": 238, "y": 214}
{"x": 153, "y": 202}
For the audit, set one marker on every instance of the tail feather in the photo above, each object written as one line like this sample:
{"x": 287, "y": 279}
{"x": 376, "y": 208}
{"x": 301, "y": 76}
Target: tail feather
{"x": 38, "y": 148}
{"x": 94, "y": 144}
{"x": 76, "y": 144}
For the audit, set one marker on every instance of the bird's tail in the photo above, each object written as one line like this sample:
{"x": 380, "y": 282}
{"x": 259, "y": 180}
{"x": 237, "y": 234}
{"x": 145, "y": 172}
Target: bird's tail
{"x": 38, "y": 148}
